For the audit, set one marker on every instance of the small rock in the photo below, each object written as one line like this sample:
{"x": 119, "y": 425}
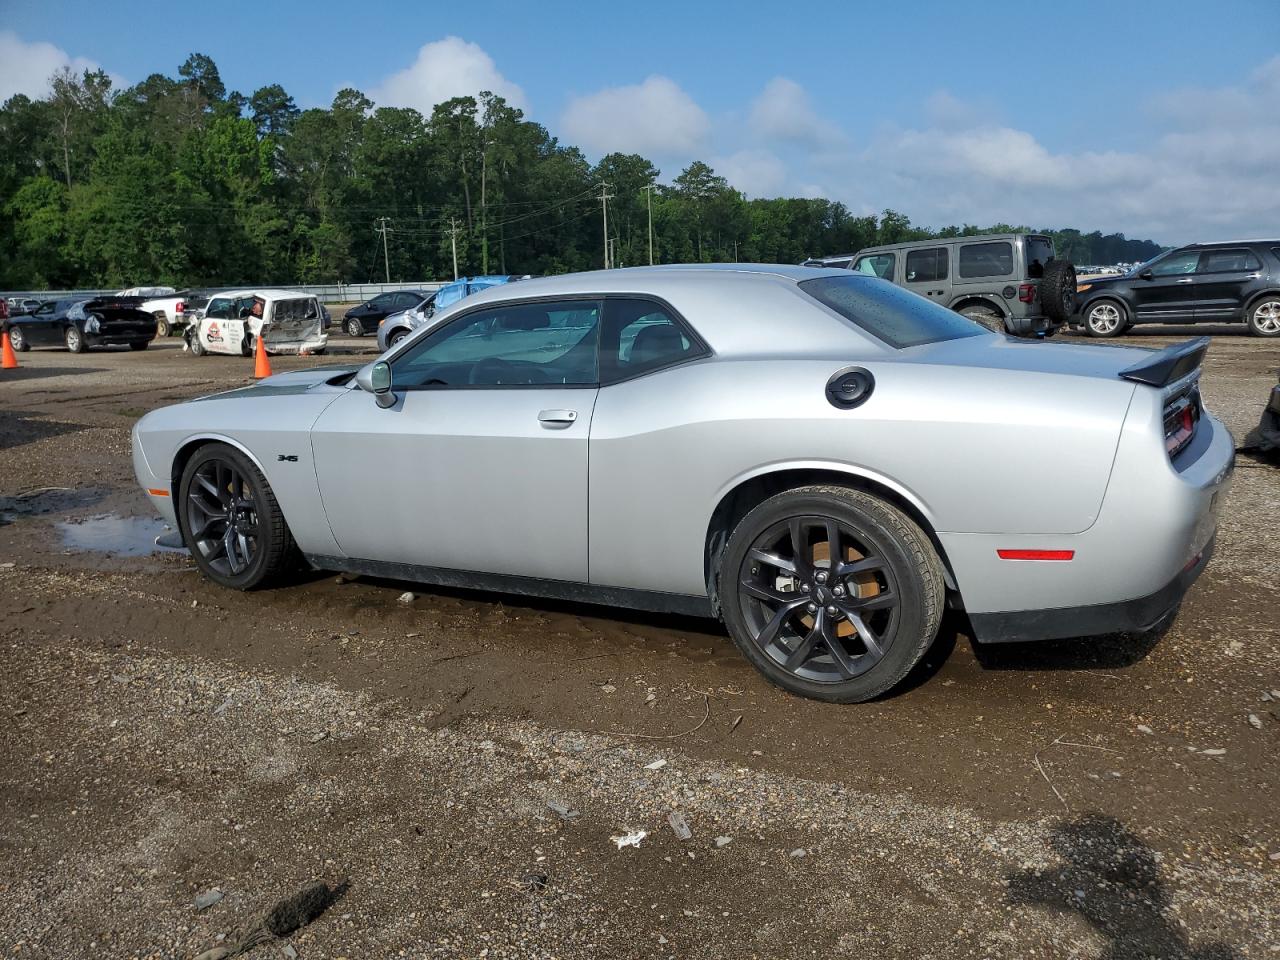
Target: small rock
{"x": 679, "y": 826}
{"x": 207, "y": 899}
{"x": 1143, "y": 728}
{"x": 1274, "y": 856}
{"x": 1214, "y": 752}
{"x": 1255, "y": 721}
{"x": 656, "y": 765}
{"x": 607, "y": 688}
{"x": 798, "y": 852}
{"x": 723, "y": 841}
{"x": 289, "y": 951}
{"x": 317, "y": 737}
{"x": 562, "y": 810}
{"x": 406, "y": 597}
{"x": 631, "y": 839}
{"x": 195, "y": 603}
{"x": 662, "y": 941}
{"x": 1275, "y": 694}
{"x": 7, "y": 566}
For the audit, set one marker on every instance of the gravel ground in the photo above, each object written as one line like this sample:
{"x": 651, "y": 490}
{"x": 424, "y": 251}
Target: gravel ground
{"x": 176, "y": 758}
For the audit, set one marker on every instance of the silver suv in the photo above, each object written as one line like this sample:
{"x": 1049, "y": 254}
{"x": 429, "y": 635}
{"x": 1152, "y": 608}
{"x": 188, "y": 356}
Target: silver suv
{"x": 1009, "y": 282}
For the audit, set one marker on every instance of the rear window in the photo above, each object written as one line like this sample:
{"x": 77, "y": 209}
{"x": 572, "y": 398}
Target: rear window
{"x": 993, "y": 259}
{"x": 1228, "y": 261}
{"x": 889, "y": 313}
{"x": 1039, "y": 253}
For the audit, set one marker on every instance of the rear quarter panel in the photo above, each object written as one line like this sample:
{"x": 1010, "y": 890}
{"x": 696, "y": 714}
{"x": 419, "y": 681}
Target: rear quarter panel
{"x": 975, "y": 449}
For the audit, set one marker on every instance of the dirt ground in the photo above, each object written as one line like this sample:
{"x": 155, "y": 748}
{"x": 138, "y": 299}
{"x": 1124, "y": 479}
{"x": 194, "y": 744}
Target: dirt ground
{"x": 175, "y": 758}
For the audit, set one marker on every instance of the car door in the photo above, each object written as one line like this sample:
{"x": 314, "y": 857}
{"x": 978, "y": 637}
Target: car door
{"x": 1165, "y": 291}
{"x": 1223, "y": 279}
{"x": 41, "y": 327}
{"x": 925, "y": 272}
{"x": 481, "y": 461}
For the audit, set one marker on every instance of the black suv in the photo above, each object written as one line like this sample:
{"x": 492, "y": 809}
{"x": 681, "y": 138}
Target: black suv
{"x": 1201, "y": 283}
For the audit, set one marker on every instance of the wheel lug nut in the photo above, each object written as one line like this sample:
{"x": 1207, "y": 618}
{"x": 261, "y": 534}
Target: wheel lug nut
{"x": 838, "y": 590}
{"x": 822, "y": 578}
{"x": 813, "y": 608}
{"x": 804, "y": 588}
{"x": 832, "y": 610}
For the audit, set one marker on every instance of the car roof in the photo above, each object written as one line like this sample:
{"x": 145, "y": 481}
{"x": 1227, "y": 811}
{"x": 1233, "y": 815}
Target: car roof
{"x": 938, "y": 241}
{"x": 1229, "y": 243}
{"x": 267, "y": 293}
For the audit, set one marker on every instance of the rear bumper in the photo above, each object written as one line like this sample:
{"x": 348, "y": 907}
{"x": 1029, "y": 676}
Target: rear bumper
{"x": 1032, "y": 325}
{"x": 1126, "y": 616}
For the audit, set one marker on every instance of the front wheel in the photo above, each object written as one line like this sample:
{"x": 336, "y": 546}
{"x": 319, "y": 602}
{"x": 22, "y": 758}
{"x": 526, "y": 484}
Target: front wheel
{"x": 397, "y": 337}
{"x": 354, "y": 329}
{"x": 831, "y": 593}
{"x": 18, "y": 339}
{"x": 75, "y": 340}
{"x": 1105, "y": 319}
{"x": 230, "y": 520}
{"x": 1264, "y": 318}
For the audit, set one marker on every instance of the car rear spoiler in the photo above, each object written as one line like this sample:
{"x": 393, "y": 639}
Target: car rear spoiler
{"x": 1169, "y": 365}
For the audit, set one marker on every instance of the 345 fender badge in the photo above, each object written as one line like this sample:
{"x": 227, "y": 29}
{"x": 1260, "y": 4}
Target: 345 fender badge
{"x": 288, "y": 457}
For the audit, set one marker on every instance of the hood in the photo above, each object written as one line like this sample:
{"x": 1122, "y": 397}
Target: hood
{"x": 1101, "y": 361}
{"x": 288, "y": 384}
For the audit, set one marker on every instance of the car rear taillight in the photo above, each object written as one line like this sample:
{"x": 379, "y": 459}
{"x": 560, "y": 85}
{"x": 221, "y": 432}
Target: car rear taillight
{"x": 1181, "y": 415}
{"x": 1027, "y": 292}
{"x": 179, "y": 307}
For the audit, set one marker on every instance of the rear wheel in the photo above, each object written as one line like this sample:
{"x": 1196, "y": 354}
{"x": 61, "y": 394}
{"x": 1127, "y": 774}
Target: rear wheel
{"x": 230, "y": 520}
{"x": 1264, "y": 318}
{"x": 74, "y": 339}
{"x": 353, "y": 327}
{"x": 989, "y": 317}
{"x": 1105, "y": 318}
{"x": 162, "y": 326}
{"x": 831, "y": 593}
{"x": 18, "y": 339}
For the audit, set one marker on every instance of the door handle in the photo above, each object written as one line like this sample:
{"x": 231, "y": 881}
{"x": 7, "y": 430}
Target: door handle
{"x": 1186, "y": 280}
{"x": 557, "y": 418}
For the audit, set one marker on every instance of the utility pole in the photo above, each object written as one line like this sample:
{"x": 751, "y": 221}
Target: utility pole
{"x": 453, "y": 240}
{"x": 649, "y": 199}
{"x": 605, "y": 197}
{"x": 383, "y": 228}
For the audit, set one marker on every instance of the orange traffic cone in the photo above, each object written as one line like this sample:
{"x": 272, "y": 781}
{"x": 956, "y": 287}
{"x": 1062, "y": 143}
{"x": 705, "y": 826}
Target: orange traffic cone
{"x": 10, "y": 361}
{"x": 261, "y": 365}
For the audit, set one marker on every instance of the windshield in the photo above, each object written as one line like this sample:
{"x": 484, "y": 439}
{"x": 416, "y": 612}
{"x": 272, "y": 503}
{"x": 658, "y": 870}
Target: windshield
{"x": 896, "y": 316}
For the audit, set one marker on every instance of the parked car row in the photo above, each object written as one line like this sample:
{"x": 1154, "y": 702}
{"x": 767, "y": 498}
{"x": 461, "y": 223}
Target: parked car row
{"x": 79, "y": 324}
{"x": 396, "y": 326}
{"x": 1015, "y": 283}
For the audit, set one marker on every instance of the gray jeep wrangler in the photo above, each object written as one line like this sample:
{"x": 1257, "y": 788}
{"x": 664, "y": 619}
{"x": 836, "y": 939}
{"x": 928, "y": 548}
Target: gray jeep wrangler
{"x": 1008, "y": 282}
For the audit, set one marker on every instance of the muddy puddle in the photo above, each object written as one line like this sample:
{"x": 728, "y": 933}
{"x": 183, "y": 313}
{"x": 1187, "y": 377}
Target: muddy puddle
{"x": 116, "y": 535}
{"x": 46, "y": 500}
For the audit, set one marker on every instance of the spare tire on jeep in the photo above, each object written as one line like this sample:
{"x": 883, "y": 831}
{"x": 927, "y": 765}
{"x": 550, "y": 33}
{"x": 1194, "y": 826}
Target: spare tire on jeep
{"x": 1058, "y": 290}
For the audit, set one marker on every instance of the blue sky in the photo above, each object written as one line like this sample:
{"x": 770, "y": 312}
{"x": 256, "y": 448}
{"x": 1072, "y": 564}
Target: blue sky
{"x": 1159, "y": 120}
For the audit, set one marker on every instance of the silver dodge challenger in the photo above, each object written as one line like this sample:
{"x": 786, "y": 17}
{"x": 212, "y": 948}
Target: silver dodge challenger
{"x": 821, "y": 459}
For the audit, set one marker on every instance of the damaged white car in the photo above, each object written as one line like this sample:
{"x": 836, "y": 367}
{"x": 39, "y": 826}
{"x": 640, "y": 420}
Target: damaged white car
{"x": 288, "y": 322}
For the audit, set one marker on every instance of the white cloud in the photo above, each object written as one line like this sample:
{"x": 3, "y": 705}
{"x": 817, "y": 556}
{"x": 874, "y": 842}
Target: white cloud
{"x": 26, "y": 67}
{"x": 757, "y": 173}
{"x": 783, "y": 111}
{"x": 655, "y": 117}
{"x": 444, "y": 69}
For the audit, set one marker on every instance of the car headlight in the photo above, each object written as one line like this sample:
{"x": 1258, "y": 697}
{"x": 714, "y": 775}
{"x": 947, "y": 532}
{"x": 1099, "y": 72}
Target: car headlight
{"x": 91, "y": 325}
{"x": 1082, "y": 287}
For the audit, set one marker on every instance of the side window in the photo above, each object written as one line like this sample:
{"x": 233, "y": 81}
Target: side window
{"x": 507, "y": 345}
{"x": 1177, "y": 264}
{"x": 926, "y": 266}
{"x": 875, "y": 265}
{"x": 1228, "y": 261}
{"x": 641, "y": 336}
{"x": 76, "y": 312}
{"x": 993, "y": 259}
{"x": 219, "y": 308}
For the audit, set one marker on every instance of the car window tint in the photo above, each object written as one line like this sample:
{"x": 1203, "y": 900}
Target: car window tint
{"x": 1039, "y": 252}
{"x": 898, "y": 317}
{"x": 927, "y": 265}
{"x": 527, "y": 344}
{"x": 994, "y": 259}
{"x": 1228, "y": 261}
{"x": 1177, "y": 264}
{"x": 640, "y": 336}
{"x": 876, "y": 265}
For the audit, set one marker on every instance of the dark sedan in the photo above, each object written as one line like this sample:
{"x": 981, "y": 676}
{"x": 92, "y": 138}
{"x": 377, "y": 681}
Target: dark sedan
{"x": 1202, "y": 283}
{"x": 365, "y": 318}
{"x": 81, "y": 324}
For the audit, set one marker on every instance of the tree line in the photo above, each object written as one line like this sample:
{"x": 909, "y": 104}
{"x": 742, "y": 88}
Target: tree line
{"x": 179, "y": 180}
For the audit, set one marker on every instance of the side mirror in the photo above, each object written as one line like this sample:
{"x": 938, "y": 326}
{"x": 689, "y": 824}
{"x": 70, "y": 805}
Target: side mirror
{"x": 1146, "y": 275}
{"x": 375, "y": 378}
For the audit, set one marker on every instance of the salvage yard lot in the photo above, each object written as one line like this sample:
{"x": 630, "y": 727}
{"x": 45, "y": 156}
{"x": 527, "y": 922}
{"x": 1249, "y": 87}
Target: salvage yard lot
{"x": 161, "y": 738}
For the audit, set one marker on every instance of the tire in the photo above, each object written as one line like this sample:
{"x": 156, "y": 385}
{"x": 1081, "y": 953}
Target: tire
{"x": 196, "y": 344}
{"x": 396, "y": 337}
{"x": 162, "y": 326}
{"x": 1105, "y": 319}
{"x": 1264, "y": 317}
{"x": 140, "y": 345}
{"x": 988, "y": 317}
{"x": 353, "y": 327}
{"x": 1058, "y": 290}
{"x": 217, "y": 479}
{"x": 782, "y": 621}
{"x": 74, "y": 339}
{"x": 18, "y": 339}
